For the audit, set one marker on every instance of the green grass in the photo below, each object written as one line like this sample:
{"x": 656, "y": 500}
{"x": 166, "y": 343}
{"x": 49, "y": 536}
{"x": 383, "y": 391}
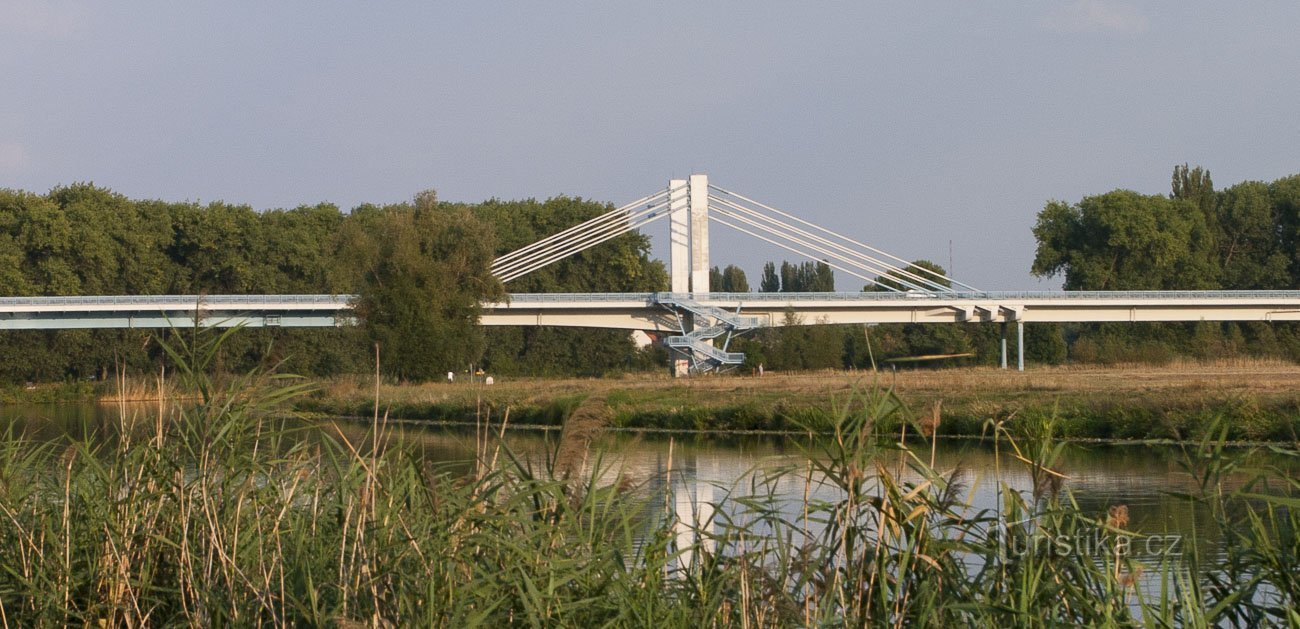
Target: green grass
{"x": 80, "y": 391}
{"x": 1249, "y": 418}
{"x": 223, "y": 515}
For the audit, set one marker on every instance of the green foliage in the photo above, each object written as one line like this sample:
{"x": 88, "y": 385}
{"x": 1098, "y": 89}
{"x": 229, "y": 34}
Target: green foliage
{"x": 424, "y": 272}
{"x": 1250, "y": 251}
{"x": 806, "y": 277}
{"x": 795, "y": 346}
{"x": 81, "y": 239}
{"x": 1122, "y": 240}
{"x": 417, "y": 264}
{"x": 1241, "y": 238}
{"x": 1045, "y": 343}
{"x": 771, "y": 282}
{"x": 729, "y": 280}
{"x": 907, "y": 280}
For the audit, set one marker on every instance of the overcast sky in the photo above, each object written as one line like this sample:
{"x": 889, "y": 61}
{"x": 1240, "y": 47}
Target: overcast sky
{"x": 906, "y": 125}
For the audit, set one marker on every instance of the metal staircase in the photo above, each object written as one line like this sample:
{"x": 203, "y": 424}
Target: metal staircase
{"x": 697, "y": 344}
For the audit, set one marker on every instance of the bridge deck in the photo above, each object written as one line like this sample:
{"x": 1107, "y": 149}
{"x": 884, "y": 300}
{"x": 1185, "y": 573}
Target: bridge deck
{"x": 641, "y": 311}
{"x": 162, "y": 311}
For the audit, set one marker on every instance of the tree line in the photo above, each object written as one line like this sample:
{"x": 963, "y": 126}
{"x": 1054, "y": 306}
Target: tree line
{"x": 421, "y": 269}
{"x": 1195, "y": 237}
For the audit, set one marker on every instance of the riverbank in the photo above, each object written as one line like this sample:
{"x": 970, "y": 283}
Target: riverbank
{"x": 230, "y": 517}
{"x": 1258, "y": 401}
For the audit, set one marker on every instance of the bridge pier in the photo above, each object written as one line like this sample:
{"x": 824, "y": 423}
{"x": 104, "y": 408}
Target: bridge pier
{"x": 1004, "y": 344}
{"x": 1020, "y": 345}
{"x": 679, "y": 254}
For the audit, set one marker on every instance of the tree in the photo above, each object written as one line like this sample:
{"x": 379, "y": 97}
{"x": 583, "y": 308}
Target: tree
{"x": 823, "y": 279}
{"x": 1250, "y": 248}
{"x": 732, "y": 280}
{"x": 1045, "y": 343}
{"x": 771, "y": 282}
{"x": 806, "y": 277}
{"x": 1285, "y": 194}
{"x": 1196, "y": 186}
{"x": 790, "y": 280}
{"x": 1123, "y": 240}
{"x": 423, "y": 272}
{"x": 896, "y": 281}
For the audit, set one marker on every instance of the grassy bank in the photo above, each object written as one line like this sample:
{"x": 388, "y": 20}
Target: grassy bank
{"x": 50, "y": 393}
{"x": 1256, "y": 401}
{"x": 215, "y": 514}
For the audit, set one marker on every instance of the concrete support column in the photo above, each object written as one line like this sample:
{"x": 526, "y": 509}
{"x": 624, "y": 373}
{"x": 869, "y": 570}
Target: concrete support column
{"x": 1004, "y": 345}
{"x": 679, "y": 255}
{"x": 679, "y": 235}
{"x": 699, "y": 212}
{"x": 1020, "y": 345}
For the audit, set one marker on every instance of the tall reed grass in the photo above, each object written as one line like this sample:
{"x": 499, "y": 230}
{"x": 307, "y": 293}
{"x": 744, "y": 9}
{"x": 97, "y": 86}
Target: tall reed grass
{"x": 219, "y": 512}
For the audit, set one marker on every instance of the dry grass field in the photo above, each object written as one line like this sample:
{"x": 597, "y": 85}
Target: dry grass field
{"x": 1259, "y": 400}
{"x": 1241, "y": 377}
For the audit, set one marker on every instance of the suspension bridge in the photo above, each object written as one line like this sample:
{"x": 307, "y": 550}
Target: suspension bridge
{"x": 695, "y": 322}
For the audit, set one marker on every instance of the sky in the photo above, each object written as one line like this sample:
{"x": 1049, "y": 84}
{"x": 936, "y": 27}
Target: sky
{"x": 908, "y": 126}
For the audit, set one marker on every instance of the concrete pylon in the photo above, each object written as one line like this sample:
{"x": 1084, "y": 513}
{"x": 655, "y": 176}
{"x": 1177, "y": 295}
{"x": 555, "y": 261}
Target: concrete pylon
{"x": 679, "y": 235}
{"x": 679, "y": 254}
{"x": 699, "y": 212}
{"x": 688, "y": 233}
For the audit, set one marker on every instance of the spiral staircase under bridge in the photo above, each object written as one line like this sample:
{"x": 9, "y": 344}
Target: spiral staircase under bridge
{"x": 701, "y": 326}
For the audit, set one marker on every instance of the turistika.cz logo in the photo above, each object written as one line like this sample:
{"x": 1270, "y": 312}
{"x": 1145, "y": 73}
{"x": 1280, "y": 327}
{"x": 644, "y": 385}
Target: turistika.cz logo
{"x": 1108, "y": 540}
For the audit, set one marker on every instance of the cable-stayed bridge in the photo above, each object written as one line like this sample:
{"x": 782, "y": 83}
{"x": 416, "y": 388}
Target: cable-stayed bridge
{"x": 697, "y": 323}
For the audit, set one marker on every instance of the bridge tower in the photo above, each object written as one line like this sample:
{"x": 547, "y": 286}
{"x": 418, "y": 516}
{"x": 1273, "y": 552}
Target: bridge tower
{"x": 688, "y": 217}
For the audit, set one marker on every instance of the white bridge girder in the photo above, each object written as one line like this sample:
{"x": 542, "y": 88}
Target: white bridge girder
{"x": 641, "y": 313}
{"x": 179, "y": 311}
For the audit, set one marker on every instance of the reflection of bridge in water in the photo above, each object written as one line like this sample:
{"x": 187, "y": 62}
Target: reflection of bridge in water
{"x": 695, "y": 322}
{"x": 709, "y": 473}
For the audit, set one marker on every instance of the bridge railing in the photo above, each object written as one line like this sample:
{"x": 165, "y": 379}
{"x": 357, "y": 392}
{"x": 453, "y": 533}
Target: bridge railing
{"x": 337, "y": 301}
{"x": 183, "y": 300}
{"x": 523, "y": 298}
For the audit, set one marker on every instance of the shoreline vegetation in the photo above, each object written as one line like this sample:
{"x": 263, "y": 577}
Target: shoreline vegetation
{"x": 1258, "y": 401}
{"x": 216, "y": 512}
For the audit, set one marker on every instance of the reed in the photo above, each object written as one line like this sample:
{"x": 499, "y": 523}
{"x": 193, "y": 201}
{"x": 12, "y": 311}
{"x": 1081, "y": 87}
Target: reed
{"x": 220, "y": 512}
